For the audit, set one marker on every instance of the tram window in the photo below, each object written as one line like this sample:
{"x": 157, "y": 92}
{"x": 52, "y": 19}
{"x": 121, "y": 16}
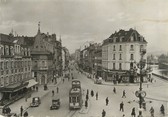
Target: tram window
{"x": 77, "y": 99}
{"x": 73, "y": 99}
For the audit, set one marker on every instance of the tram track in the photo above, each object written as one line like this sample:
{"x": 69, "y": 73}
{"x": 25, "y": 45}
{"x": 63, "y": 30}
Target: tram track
{"x": 71, "y": 113}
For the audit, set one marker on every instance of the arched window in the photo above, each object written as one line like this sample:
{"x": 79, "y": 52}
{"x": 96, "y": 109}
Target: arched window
{"x": 132, "y": 57}
{"x": 131, "y": 47}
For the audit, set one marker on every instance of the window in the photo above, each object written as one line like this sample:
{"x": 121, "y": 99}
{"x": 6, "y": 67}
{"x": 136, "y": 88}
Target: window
{"x": 120, "y": 57}
{"x": 141, "y": 47}
{"x": 43, "y": 63}
{"x": 120, "y": 48}
{"x": 132, "y": 57}
{"x": 114, "y": 48}
{"x": 113, "y": 65}
{"x": 1, "y": 81}
{"x": 132, "y": 47}
{"x": 2, "y": 65}
{"x": 7, "y": 50}
{"x": 1, "y": 50}
{"x": 120, "y": 66}
{"x": 113, "y": 56}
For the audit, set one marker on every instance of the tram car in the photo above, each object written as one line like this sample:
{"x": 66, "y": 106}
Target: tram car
{"x": 76, "y": 83}
{"x": 75, "y": 98}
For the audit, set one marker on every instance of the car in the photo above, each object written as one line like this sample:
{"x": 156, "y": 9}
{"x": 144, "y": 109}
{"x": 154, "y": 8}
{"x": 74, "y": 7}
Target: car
{"x": 35, "y": 102}
{"x": 98, "y": 80}
{"x": 55, "y": 103}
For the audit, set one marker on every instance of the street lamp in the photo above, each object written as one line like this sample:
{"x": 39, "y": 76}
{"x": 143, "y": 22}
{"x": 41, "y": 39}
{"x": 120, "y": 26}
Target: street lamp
{"x": 141, "y": 94}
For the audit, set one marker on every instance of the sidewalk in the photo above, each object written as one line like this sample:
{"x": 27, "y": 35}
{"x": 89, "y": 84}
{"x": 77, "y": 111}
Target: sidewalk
{"x": 15, "y": 107}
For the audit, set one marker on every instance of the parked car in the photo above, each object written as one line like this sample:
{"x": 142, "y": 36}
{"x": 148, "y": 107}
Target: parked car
{"x": 35, "y": 102}
{"x": 98, "y": 80}
{"x": 55, "y": 103}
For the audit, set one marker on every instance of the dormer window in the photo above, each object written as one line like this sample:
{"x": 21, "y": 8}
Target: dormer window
{"x": 132, "y": 38}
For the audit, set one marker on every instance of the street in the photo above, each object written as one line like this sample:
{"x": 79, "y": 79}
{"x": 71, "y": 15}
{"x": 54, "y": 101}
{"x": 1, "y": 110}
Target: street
{"x": 95, "y": 107}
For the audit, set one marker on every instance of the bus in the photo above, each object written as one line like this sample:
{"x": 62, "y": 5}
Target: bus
{"x": 75, "y": 98}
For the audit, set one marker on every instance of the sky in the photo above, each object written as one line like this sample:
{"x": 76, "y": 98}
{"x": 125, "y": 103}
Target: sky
{"x": 80, "y": 21}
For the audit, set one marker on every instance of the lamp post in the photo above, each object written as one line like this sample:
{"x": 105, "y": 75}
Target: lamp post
{"x": 141, "y": 94}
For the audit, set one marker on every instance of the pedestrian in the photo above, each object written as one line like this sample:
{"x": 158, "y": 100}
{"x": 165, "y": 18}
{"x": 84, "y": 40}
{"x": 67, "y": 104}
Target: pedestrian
{"x": 152, "y": 111}
{"x": 57, "y": 90}
{"x": 63, "y": 80}
{"x": 114, "y": 90}
{"x": 122, "y": 106}
{"x": 52, "y": 80}
{"x": 124, "y": 94}
{"x": 162, "y": 110}
{"x": 123, "y": 115}
{"x": 92, "y": 93}
{"x": 88, "y": 91}
{"x": 133, "y": 114}
{"x": 96, "y": 95}
{"x": 103, "y": 113}
{"x": 21, "y": 111}
{"x": 87, "y": 96}
{"x": 25, "y": 114}
{"x": 52, "y": 92}
{"x": 107, "y": 101}
{"x": 86, "y": 103}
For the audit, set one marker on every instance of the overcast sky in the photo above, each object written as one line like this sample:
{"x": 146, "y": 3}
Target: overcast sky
{"x": 78, "y": 21}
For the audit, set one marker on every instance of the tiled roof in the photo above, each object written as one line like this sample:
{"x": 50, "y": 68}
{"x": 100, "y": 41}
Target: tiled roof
{"x": 124, "y": 35}
{"x": 6, "y": 38}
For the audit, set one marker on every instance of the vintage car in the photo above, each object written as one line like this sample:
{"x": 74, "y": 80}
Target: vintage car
{"x": 55, "y": 103}
{"x": 98, "y": 80}
{"x": 35, "y": 102}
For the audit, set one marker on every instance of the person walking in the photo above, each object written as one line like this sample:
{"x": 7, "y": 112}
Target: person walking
{"x": 57, "y": 90}
{"x": 86, "y": 103}
{"x": 114, "y": 90}
{"x": 124, "y": 94}
{"x": 122, "y": 106}
{"x": 133, "y": 114}
{"x": 63, "y": 80}
{"x": 21, "y": 111}
{"x": 92, "y": 93}
{"x": 107, "y": 101}
{"x": 96, "y": 95}
{"x": 88, "y": 91}
{"x": 103, "y": 113}
{"x": 87, "y": 96}
{"x": 162, "y": 110}
{"x": 52, "y": 92}
{"x": 26, "y": 114}
{"x": 152, "y": 111}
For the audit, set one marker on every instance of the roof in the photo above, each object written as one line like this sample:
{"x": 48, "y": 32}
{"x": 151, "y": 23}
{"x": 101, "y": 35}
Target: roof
{"x": 124, "y": 36}
{"x": 6, "y": 38}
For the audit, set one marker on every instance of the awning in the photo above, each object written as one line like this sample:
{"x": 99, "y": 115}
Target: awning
{"x": 31, "y": 82}
{"x": 14, "y": 87}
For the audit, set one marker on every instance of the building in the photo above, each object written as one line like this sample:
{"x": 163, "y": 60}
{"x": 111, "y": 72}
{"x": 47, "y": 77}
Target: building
{"x": 15, "y": 64}
{"x": 98, "y": 60}
{"x": 120, "y": 53}
{"x": 77, "y": 56}
{"x": 46, "y": 53}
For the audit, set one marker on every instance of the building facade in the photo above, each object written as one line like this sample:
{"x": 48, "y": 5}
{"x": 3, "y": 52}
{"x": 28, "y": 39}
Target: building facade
{"x": 15, "y": 64}
{"x": 46, "y": 57}
{"x": 121, "y": 52}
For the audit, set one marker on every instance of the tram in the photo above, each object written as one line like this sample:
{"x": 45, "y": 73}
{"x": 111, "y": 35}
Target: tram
{"x": 75, "y": 98}
{"x": 76, "y": 83}
{"x": 75, "y": 95}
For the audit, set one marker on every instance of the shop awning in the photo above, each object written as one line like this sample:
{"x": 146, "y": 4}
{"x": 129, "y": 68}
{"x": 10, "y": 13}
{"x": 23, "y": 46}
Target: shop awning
{"x": 14, "y": 87}
{"x": 31, "y": 82}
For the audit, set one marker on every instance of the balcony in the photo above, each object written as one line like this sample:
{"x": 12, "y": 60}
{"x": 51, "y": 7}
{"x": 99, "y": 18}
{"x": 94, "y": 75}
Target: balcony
{"x": 39, "y": 67}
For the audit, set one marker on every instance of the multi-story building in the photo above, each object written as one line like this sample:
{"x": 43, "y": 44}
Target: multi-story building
{"x": 98, "y": 60}
{"x": 15, "y": 64}
{"x": 46, "y": 54}
{"x": 121, "y": 52}
{"x": 77, "y": 56}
